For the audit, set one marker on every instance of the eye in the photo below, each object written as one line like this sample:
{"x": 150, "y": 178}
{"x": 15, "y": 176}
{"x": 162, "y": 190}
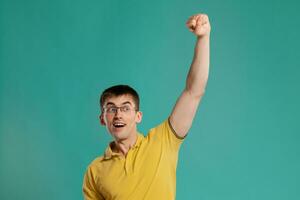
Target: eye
{"x": 126, "y": 108}
{"x": 111, "y": 109}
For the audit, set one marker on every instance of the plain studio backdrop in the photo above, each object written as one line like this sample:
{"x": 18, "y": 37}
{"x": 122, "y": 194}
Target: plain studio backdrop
{"x": 57, "y": 56}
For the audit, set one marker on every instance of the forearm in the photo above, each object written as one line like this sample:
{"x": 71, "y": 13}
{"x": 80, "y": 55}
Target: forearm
{"x": 199, "y": 69}
{"x": 186, "y": 106}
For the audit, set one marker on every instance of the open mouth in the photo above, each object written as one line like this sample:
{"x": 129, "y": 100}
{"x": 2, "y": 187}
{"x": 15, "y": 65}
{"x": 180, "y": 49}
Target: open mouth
{"x": 119, "y": 125}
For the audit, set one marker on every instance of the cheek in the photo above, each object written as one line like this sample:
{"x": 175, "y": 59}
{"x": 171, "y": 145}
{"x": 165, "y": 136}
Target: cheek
{"x": 108, "y": 120}
{"x": 131, "y": 119}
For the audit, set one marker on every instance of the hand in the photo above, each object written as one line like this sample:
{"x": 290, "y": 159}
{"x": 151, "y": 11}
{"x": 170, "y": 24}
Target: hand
{"x": 199, "y": 25}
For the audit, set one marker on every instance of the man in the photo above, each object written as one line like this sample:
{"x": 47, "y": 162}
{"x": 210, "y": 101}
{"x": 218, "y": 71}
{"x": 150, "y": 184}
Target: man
{"x": 138, "y": 167}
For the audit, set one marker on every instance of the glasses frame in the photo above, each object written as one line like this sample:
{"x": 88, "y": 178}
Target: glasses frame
{"x": 121, "y": 108}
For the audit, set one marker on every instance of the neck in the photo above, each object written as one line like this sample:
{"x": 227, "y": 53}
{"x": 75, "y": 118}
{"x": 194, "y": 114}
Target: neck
{"x": 123, "y": 146}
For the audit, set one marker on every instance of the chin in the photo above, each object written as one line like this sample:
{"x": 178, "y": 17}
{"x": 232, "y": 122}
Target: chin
{"x": 120, "y": 135}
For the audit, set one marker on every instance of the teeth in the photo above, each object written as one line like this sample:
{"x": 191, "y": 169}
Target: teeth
{"x": 119, "y": 124}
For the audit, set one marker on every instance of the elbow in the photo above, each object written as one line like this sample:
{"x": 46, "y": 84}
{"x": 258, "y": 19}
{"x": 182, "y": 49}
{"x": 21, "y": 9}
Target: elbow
{"x": 199, "y": 95}
{"x": 196, "y": 90}
{"x": 196, "y": 94}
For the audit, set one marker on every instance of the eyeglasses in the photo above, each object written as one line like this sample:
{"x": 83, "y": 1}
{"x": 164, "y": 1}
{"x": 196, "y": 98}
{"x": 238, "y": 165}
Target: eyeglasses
{"x": 114, "y": 109}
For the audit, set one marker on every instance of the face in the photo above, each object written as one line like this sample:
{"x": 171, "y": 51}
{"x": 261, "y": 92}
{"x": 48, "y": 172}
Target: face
{"x": 120, "y": 117}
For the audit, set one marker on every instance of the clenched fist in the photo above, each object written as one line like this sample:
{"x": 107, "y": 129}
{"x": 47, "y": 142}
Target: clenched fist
{"x": 199, "y": 25}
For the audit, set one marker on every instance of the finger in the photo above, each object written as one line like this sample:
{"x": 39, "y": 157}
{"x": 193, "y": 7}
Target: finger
{"x": 192, "y": 28}
{"x": 199, "y": 22}
{"x": 191, "y": 24}
{"x": 204, "y": 19}
{"x": 197, "y": 17}
{"x": 199, "y": 30}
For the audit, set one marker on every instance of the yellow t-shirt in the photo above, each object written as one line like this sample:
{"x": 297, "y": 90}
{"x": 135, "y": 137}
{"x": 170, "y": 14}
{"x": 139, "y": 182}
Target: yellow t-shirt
{"x": 148, "y": 172}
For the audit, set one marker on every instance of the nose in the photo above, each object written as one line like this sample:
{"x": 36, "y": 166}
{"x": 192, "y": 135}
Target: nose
{"x": 118, "y": 111}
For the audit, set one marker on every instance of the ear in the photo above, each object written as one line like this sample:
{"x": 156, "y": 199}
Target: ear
{"x": 139, "y": 116}
{"x": 102, "y": 121}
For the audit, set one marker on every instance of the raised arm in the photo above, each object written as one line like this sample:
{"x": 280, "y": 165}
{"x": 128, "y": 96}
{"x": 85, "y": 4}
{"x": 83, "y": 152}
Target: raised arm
{"x": 186, "y": 106}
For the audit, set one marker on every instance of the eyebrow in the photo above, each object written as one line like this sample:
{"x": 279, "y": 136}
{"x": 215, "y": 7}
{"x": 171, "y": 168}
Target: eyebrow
{"x": 126, "y": 102}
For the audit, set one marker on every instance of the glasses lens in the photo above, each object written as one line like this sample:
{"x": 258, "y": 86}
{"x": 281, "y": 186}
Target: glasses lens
{"x": 113, "y": 109}
{"x": 125, "y": 108}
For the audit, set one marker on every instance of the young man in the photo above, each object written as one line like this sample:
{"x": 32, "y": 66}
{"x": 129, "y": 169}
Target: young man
{"x": 138, "y": 167}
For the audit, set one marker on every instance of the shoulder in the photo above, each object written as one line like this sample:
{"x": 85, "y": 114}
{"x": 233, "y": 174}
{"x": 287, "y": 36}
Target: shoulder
{"x": 95, "y": 164}
{"x": 165, "y": 132}
{"x": 165, "y": 126}
{"x": 97, "y": 160}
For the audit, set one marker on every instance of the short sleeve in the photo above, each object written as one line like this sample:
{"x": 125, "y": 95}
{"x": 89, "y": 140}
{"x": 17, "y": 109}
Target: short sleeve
{"x": 167, "y": 135}
{"x": 89, "y": 187}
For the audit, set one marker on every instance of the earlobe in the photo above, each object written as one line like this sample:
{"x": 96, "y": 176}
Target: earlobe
{"x": 139, "y": 117}
{"x": 102, "y": 122}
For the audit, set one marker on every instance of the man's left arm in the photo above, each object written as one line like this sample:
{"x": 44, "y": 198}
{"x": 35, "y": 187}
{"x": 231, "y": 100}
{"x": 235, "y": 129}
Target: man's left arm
{"x": 186, "y": 106}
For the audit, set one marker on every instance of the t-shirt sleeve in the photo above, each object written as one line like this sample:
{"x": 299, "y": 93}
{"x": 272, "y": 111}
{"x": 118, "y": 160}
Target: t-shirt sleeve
{"x": 89, "y": 188}
{"x": 167, "y": 135}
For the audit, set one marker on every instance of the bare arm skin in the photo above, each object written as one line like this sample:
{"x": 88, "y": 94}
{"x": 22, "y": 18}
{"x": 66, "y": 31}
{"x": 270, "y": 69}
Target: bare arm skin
{"x": 186, "y": 106}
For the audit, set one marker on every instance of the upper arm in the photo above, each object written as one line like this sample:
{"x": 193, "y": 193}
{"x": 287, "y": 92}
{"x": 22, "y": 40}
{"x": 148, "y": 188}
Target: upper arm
{"x": 183, "y": 112}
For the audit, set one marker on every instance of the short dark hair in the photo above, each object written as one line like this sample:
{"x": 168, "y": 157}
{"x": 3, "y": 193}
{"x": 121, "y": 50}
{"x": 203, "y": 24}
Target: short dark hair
{"x": 119, "y": 90}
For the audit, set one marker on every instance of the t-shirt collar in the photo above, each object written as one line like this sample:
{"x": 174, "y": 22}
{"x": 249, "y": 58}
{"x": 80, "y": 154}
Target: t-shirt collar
{"x": 108, "y": 154}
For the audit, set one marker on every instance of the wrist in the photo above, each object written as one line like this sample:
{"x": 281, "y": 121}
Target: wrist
{"x": 204, "y": 37}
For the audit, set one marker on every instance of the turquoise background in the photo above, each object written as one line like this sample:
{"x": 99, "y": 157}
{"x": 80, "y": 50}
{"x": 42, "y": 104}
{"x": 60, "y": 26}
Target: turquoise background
{"x": 57, "y": 56}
